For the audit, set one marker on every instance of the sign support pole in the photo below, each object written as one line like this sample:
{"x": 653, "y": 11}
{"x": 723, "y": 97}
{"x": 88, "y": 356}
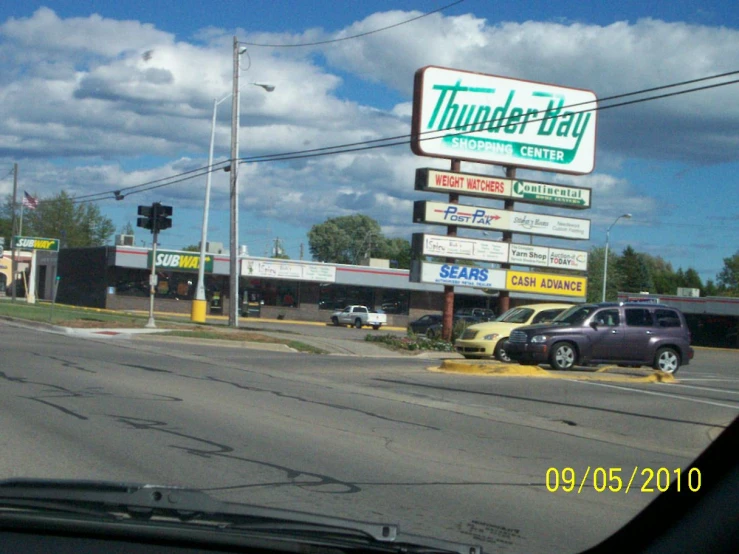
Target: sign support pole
{"x": 447, "y": 318}
{"x": 150, "y": 324}
{"x": 504, "y": 299}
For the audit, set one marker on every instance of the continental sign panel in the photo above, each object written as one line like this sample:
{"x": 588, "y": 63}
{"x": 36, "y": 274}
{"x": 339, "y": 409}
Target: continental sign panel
{"x": 497, "y": 120}
{"x": 486, "y": 186}
{"x": 36, "y": 243}
{"x": 491, "y": 219}
{"x": 565, "y": 285}
{"x": 498, "y": 252}
{"x": 296, "y": 271}
{"x": 180, "y": 261}
{"x": 498, "y": 279}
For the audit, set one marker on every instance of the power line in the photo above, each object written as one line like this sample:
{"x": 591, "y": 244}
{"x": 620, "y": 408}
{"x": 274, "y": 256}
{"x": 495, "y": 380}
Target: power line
{"x": 399, "y": 140}
{"x": 321, "y": 42}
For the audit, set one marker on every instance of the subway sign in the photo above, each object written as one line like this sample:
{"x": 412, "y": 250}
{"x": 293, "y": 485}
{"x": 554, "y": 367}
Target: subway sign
{"x": 491, "y": 219}
{"x": 36, "y": 243}
{"x": 500, "y": 188}
{"x": 497, "y": 120}
{"x": 180, "y": 261}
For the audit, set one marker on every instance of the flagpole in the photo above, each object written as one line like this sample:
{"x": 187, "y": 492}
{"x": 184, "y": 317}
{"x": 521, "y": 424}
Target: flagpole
{"x": 20, "y": 227}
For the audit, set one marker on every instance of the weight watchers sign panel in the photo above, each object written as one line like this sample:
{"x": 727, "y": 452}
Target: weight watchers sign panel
{"x": 496, "y": 120}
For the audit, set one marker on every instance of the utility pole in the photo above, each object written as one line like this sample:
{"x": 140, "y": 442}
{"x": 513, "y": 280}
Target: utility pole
{"x": 301, "y": 250}
{"x": 14, "y": 261}
{"x": 233, "y": 303}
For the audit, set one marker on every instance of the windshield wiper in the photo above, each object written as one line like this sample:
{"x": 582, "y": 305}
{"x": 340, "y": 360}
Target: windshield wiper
{"x": 153, "y": 504}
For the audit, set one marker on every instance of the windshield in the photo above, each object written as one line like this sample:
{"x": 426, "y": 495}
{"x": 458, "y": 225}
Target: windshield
{"x": 228, "y": 236}
{"x": 516, "y": 315}
{"x": 575, "y": 315}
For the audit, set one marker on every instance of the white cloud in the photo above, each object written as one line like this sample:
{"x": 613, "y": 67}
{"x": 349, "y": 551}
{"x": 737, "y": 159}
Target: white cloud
{"x": 86, "y": 94}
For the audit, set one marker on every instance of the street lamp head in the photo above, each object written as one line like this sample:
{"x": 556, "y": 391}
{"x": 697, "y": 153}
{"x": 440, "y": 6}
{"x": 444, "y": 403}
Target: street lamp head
{"x": 242, "y": 51}
{"x": 268, "y": 88}
{"x": 627, "y": 216}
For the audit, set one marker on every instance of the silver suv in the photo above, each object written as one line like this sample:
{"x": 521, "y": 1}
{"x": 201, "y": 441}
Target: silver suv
{"x": 628, "y": 334}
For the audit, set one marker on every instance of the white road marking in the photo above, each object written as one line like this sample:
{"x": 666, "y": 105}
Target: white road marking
{"x": 675, "y": 396}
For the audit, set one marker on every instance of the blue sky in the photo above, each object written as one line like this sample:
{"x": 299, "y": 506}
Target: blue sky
{"x": 83, "y": 110}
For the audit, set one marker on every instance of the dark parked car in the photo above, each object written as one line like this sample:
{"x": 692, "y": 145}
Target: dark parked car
{"x": 482, "y": 314}
{"x": 422, "y": 324}
{"x": 430, "y": 325}
{"x": 434, "y": 332}
{"x": 628, "y": 334}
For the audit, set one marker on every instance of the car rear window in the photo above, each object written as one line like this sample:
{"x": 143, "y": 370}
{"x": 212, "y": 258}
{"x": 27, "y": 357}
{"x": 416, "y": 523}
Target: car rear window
{"x": 639, "y": 317}
{"x": 667, "y": 318}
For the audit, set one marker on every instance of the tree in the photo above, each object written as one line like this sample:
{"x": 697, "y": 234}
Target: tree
{"x": 345, "y": 239}
{"x": 191, "y": 248}
{"x": 397, "y": 249}
{"x": 76, "y": 224}
{"x": 127, "y": 229}
{"x": 595, "y": 275}
{"x": 634, "y": 271}
{"x": 728, "y": 278}
{"x": 663, "y": 276}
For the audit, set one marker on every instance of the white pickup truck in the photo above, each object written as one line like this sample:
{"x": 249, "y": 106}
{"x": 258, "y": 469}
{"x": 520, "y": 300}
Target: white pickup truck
{"x": 358, "y": 316}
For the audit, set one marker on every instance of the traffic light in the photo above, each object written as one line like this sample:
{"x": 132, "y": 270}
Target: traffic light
{"x": 163, "y": 215}
{"x": 155, "y": 217}
{"x": 146, "y": 219}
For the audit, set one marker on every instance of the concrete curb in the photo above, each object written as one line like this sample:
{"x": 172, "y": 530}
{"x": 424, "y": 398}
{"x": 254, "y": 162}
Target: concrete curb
{"x": 272, "y": 347}
{"x": 29, "y": 323}
{"x": 495, "y": 369}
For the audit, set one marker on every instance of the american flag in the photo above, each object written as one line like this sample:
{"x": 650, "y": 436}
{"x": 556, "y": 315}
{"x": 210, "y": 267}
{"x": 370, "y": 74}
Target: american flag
{"x": 29, "y": 201}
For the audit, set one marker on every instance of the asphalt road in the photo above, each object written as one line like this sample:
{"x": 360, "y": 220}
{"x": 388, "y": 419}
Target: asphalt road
{"x": 381, "y": 439}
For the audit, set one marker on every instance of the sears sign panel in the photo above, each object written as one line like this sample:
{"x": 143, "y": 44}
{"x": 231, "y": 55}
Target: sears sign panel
{"x": 460, "y": 275}
{"x": 496, "y": 120}
{"x": 500, "y": 220}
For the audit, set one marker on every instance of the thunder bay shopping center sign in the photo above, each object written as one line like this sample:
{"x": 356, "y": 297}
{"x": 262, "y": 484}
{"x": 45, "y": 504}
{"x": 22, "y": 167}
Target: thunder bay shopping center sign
{"x": 496, "y": 120}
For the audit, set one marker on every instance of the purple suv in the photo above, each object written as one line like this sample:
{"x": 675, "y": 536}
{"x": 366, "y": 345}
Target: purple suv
{"x": 628, "y": 334}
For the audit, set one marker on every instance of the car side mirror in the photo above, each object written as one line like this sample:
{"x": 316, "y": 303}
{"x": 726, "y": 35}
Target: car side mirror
{"x": 594, "y": 325}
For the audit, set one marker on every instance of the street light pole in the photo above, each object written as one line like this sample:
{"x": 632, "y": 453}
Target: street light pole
{"x": 233, "y": 301}
{"x": 199, "y": 305}
{"x": 605, "y": 261}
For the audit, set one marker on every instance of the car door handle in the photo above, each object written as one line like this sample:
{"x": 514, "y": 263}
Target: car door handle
{"x": 650, "y": 332}
{"x": 614, "y": 331}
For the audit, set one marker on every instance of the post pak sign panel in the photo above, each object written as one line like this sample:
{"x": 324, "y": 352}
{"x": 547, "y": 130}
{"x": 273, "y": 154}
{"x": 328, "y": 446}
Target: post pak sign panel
{"x": 492, "y": 219}
{"x": 497, "y": 120}
{"x": 487, "y": 186}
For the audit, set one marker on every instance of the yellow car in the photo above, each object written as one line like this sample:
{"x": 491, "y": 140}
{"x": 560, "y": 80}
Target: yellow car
{"x": 485, "y": 340}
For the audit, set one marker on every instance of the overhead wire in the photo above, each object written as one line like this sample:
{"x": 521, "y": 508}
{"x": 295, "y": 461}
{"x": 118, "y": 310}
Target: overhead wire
{"x": 399, "y": 140}
{"x": 367, "y": 33}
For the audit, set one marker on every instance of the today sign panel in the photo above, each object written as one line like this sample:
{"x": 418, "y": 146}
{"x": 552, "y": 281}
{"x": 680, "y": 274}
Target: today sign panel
{"x": 497, "y": 120}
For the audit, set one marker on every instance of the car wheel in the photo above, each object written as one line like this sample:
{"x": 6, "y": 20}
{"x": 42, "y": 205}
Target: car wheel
{"x": 500, "y": 353}
{"x": 358, "y": 323}
{"x": 667, "y": 360}
{"x": 563, "y": 356}
{"x": 335, "y": 321}
{"x": 375, "y": 327}
{"x": 430, "y": 334}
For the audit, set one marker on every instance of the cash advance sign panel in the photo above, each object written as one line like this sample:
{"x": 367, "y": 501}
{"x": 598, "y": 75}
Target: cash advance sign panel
{"x": 565, "y": 285}
{"x": 496, "y": 120}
